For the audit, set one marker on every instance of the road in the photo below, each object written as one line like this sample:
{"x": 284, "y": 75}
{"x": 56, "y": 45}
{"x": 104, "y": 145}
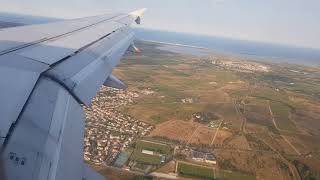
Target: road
{"x": 292, "y": 168}
{"x": 194, "y": 132}
{"x": 215, "y": 135}
{"x": 163, "y": 175}
{"x": 276, "y": 126}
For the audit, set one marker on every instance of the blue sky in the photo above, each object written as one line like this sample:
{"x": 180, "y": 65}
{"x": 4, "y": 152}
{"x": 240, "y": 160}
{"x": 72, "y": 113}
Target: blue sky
{"x": 293, "y": 22}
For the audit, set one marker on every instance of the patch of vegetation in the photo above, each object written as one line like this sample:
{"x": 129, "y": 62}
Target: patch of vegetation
{"x": 115, "y": 174}
{"x": 171, "y": 93}
{"x": 195, "y": 171}
{"x": 144, "y": 178}
{"x": 208, "y": 173}
{"x": 178, "y": 73}
{"x": 185, "y": 111}
{"x": 281, "y": 115}
{"x": 137, "y": 75}
{"x": 306, "y": 88}
{"x": 180, "y": 156}
{"x": 239, "y": 93}
{"x": 157, "y": 110}
{"x": 305, "y": 172}
{"x": 260, "y": 115}
{"x": 258, "y": 118}
{"x": 168, "y": 111}
{"x": 157, "y": 119}
{"x": 274, "y": 96}
{"x": 205, "y": 117}
{"x": 224, "y": 76}
{"x": 280, "y": 109}
{"x": 273, "y": 129}
{"x": 145, "y": 158}
{"x": 226, "y": 164}
{"x": 255, "y": 142}
{"x": 226, "y": 110}
{"x": 284, "y": 167}
{"x": 276, "y": 77}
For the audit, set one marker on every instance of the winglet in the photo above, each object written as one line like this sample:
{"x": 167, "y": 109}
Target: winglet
{"x": 137, "y": 14}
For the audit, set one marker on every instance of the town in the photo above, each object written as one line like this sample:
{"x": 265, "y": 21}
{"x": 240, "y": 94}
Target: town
{"x": 236, "y": 65}
{"x": 108, "y": 132}
{"x": 113, "y": 138}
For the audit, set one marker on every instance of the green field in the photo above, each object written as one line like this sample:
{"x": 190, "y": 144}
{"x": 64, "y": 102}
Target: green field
{"x": 281, "y": 115}
{"x": 258, "y": 114}
{"x": 273, "y": 95}
{"x": 195, "y": 171}
{"x": 164, "y": 109}
{"x": 145, "y": 158}
{"x": 209, "y": 173}
{"x": 137, "y": 75}
{"x": 223, "y": 76}
{"x": 162, "y": 149}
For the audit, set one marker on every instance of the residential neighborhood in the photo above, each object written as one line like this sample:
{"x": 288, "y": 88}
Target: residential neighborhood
{"x": 109, "y": 132}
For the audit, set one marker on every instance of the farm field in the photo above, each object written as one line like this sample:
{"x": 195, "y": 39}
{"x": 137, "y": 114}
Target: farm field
{"x": 203, "y": 135}
{"x": 202, "y": 172}
{"x": 169, "y": 130}
{"x": 195, "y": 171}
{"x": 281, "y": 114}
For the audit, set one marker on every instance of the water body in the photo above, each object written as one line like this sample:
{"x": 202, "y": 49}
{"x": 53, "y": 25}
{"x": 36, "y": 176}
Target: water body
{"x": 255, "y": 50}
{"x": 185, "y": 50}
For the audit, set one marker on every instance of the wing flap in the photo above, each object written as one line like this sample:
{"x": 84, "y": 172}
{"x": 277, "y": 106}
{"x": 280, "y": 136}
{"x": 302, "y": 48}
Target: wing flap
{"x": 83, "y": 74}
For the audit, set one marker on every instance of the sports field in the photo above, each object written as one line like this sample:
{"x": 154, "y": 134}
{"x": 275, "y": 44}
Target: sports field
{"x": 145, "y": 158}
{"x": 195, "y": 171}
{"x": 153, "y": 146}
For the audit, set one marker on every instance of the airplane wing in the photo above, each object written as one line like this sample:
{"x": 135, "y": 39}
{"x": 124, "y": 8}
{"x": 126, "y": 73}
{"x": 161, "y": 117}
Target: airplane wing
{"x": 47, "y": 72}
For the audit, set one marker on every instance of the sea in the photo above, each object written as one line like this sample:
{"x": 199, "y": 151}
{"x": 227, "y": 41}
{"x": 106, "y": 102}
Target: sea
{"x": 248, "y": 49}
{"x": 203, "y": 45}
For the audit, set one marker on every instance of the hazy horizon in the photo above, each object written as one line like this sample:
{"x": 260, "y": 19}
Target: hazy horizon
{"x": 288, "y": 22}
{"x": 267, "y": 52}
{"x": 264, "y": 51}
{"x": 35, "y": 19}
